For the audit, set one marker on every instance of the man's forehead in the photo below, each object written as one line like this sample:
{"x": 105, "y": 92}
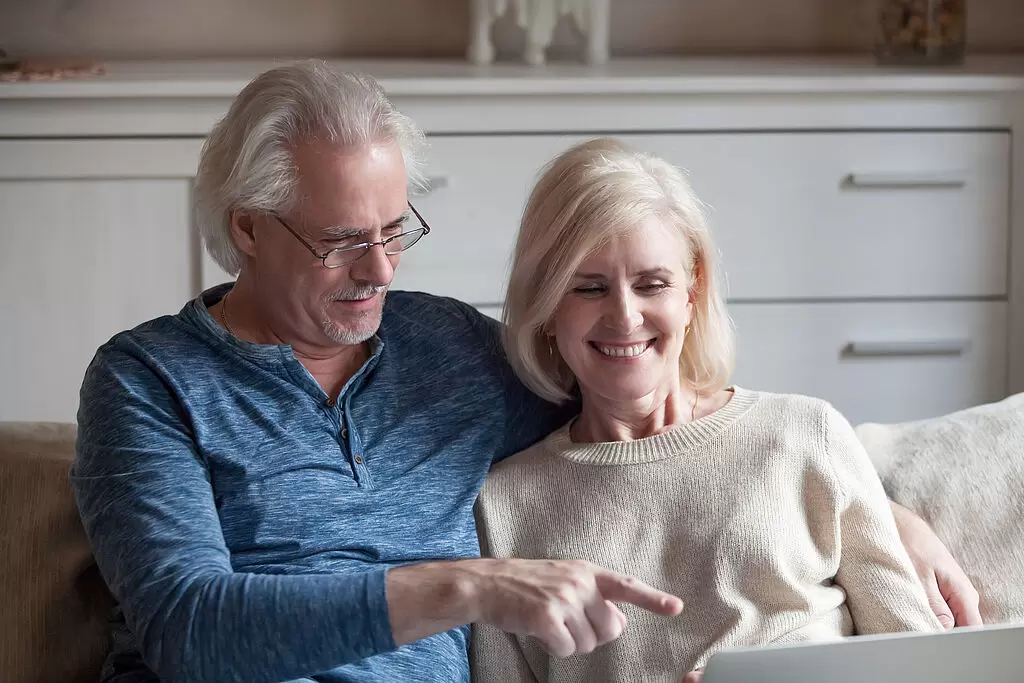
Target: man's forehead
{"x": 347, "y": 226}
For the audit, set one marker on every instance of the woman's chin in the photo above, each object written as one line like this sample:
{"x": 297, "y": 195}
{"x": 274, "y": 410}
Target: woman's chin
{"x": 619, "y": 393}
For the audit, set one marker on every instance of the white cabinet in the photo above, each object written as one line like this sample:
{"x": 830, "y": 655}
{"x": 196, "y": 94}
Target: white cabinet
{"x": 95, "y": 237}
{"x": 869, "y": 219}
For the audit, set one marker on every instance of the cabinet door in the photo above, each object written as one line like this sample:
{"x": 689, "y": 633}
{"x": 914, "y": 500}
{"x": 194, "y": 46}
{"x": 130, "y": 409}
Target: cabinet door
{"x": 95, "y": 238}
{"x": 876, "y": 361}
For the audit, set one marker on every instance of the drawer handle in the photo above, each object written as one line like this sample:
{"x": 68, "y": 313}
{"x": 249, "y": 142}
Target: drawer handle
{"x": 433, "y": 183}
{"x": 899, "y": 349}
{"x": 899, "y": 181}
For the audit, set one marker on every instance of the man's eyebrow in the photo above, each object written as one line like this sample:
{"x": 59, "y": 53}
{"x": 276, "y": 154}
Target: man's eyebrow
{"x": 345, "y": 232}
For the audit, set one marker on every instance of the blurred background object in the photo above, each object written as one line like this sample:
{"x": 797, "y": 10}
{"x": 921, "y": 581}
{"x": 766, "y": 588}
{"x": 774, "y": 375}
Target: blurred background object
{"x": 423, "y": 29}
{"x": 921, "y": 31}
{"x": 48, "y": 69}
{"x": 538, "y": 19}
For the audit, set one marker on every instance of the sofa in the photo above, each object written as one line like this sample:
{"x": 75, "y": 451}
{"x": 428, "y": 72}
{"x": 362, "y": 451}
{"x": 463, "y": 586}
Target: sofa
{"x": 964, "y": 473}
{"x": 55, "y": 604}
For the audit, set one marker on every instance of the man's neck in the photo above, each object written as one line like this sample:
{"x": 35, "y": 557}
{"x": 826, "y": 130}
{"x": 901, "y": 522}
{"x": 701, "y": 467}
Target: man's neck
{"x": 331, "y": 365}
{"x": 333, "y": 372}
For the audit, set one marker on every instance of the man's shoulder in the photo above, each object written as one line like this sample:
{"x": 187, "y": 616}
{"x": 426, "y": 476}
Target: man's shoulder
{"x": 166, "y": 345}
{"x": 420, "y": 316}
{"x": 164, "y": 336}
{"x": 422, "y": 304}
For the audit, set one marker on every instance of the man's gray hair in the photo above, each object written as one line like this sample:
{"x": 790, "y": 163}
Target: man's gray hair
{"x": 247, "y": 161}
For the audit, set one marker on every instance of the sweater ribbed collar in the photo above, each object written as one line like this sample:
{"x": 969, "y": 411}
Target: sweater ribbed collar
{"x": 672, "y": 443}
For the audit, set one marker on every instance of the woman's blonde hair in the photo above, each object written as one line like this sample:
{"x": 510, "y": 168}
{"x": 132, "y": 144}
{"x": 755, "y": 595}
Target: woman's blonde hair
{"x": 587, "y": 196}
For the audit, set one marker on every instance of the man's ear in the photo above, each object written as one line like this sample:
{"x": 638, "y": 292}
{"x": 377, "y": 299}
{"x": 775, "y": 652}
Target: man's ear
{"x": 242, "y": 229}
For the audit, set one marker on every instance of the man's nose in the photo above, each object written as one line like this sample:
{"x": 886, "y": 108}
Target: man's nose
{"x": 374, "y": 268}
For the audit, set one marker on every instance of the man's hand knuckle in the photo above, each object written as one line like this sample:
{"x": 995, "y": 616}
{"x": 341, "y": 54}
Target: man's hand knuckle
{"x": 551, "y": 615}
{"x": 566, "y": 593}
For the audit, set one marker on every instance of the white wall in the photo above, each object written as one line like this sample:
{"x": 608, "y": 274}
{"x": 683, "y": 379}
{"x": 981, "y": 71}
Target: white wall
{"x": 221, "y": 28}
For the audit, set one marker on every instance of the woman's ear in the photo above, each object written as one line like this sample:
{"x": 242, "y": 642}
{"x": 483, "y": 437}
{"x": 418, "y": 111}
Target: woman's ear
{"x": 242, "y": 228}
{"x": 697, "y": 282}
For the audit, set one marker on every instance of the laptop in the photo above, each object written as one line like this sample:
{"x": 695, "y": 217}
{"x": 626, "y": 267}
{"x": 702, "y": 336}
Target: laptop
{"x": 984, "y": 654}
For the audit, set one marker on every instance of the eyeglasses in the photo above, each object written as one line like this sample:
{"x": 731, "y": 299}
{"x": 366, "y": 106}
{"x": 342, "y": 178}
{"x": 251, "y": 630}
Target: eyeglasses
{"x": 343, "y": 256}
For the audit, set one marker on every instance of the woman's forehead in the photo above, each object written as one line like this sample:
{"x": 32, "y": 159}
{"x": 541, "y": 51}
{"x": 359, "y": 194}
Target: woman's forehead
{"x": 648, "y": 246}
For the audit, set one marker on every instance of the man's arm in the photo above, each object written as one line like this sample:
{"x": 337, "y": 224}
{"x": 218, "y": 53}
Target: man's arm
{"x": 951, "y": 594}
{"x": 566, "y": 605}
{"x": 146, "y": 500}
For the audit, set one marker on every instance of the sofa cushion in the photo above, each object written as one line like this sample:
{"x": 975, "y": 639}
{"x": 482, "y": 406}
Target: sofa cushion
{"x": 964, "y": 474}
{"x": 55, "y": 604}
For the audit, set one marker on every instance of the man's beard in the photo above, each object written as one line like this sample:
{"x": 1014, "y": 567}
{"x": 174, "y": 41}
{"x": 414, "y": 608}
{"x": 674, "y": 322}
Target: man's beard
{"x": 364, "y": 324}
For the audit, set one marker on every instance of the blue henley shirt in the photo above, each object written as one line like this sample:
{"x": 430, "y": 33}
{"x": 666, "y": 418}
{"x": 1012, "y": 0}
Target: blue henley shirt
{"x": 245, "y": 522}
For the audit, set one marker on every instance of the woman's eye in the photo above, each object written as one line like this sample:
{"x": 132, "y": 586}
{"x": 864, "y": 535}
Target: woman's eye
{"x": 588, "y": 290}
{"x": 653, "y": 287}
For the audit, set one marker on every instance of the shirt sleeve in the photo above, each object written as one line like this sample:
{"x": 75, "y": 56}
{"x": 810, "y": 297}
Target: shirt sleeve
{"x": 145, "y": 497}
{"x": 883, "y": 593}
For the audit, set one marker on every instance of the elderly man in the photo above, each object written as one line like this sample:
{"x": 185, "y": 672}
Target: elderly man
{"x": 278, "y": 481}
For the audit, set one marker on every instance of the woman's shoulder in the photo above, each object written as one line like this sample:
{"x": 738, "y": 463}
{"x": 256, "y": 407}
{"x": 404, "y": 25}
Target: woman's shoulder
{"x": 786, "y": 407}
{"x": 529, "y": 464}
{"x": 794, "y": 416}
{"x": 515, "y": 509}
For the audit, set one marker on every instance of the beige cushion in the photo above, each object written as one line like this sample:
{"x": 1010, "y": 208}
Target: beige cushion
{"x": 964, "y": 474}
{"x": 55, "y": 605}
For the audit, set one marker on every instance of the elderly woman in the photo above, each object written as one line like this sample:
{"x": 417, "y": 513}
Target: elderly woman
{"x": 761, "y": 511}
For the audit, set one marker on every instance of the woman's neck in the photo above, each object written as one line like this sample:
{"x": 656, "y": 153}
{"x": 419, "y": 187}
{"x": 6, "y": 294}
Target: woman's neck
{"x": 603, "y": 420}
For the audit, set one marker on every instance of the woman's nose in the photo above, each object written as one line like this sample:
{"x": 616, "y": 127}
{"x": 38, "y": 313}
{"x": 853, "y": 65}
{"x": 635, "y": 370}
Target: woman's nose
{"x": 624, "y": 314}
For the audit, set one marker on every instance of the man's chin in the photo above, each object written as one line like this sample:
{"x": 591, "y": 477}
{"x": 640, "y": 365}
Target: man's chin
{"x": 354, "y": 329}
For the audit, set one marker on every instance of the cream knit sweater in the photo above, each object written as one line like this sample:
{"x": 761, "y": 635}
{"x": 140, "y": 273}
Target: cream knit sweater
{"x": 765, "y": 517}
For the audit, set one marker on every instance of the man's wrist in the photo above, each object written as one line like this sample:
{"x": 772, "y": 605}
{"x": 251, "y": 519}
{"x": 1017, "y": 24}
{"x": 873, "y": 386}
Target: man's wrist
{"x": 433, "y": 597}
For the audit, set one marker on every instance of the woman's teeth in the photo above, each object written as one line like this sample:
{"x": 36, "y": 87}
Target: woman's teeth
{"x": 624, "y": 351}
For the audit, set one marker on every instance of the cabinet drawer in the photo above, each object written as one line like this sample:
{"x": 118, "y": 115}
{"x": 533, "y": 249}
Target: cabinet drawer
{"x": 884, "y": 362}
{"x": 796, "y": 215}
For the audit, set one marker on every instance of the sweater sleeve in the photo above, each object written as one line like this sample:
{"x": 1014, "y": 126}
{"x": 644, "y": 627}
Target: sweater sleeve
{"x": 883, "y": 593}
{"x": 145, "y": 496}
{"x": 496, "y": 657}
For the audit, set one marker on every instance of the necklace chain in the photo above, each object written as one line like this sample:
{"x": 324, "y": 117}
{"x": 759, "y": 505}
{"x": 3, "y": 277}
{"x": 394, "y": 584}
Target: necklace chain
{"x": 224, "y": 315}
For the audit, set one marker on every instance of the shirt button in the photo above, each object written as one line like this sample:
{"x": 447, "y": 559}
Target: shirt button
{"x": 344, "y": 432}
{"x": 359, "y": 459}
{"x": 331, "y": 403}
